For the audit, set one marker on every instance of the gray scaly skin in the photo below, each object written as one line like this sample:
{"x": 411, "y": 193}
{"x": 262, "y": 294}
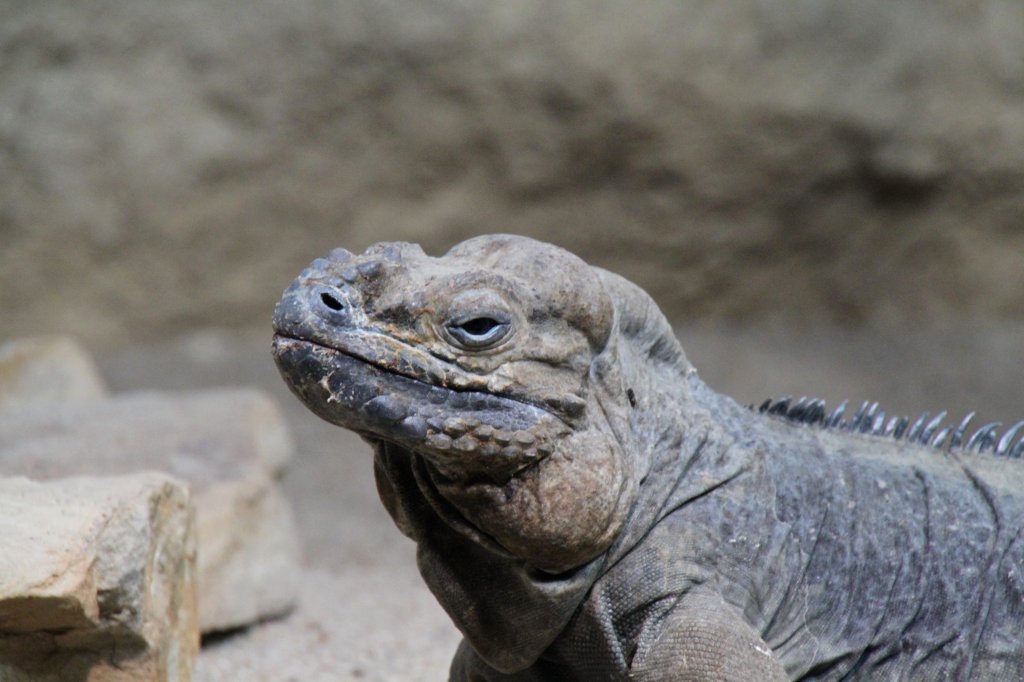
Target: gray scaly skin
{"x": 586, "y": 508}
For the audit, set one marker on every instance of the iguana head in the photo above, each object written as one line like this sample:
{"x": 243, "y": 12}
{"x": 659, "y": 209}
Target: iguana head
{"x": 485, "y": 363}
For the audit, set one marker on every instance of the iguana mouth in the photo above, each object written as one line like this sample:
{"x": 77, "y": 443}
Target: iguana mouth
{"x": 463, "y": 432}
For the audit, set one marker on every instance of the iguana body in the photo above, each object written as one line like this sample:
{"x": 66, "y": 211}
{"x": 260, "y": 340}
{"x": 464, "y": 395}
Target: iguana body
{"x": 586, "y": 508}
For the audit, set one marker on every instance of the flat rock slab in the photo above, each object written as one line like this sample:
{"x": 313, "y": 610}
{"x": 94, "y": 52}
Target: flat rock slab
{"x": 97, "y": 580}
{"x": 47, "y": 370}
{"x": 228, "y": 445}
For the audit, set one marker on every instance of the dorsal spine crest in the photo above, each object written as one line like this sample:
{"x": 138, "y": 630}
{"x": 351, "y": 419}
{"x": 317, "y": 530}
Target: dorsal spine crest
{"x": 870, "y": 419}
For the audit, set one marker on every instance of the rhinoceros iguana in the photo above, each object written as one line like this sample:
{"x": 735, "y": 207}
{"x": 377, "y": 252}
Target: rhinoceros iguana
{"x": 585, "y": 507}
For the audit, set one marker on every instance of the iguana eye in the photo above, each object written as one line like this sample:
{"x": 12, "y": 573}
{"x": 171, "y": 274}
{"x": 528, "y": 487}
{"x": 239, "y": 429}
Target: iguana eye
{"x": 476, "y": 333}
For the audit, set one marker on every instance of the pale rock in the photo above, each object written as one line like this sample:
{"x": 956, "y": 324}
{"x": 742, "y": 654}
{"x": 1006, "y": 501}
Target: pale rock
{"x": 229, "y": 445}
{"x": 45, "y": 370}
{"x": 97, "y": 580}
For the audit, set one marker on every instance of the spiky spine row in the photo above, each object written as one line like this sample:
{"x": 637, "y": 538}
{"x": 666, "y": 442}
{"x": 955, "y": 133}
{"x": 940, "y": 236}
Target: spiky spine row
{"x": 870, "y": 419}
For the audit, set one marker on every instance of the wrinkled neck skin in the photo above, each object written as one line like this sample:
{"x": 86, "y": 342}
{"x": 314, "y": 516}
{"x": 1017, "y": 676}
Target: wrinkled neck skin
{"x": 512, "y": 562}
{"x": 670, "y": 434}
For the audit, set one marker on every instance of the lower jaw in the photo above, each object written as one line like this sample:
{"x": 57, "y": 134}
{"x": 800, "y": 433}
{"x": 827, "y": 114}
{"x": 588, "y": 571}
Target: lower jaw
{"x": 448, "y": 427}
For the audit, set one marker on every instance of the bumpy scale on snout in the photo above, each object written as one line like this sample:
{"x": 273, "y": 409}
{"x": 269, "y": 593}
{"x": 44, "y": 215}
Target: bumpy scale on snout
{"x": 480, "y": 362}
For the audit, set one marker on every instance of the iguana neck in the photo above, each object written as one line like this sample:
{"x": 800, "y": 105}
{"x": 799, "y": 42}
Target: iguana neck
{"x": 696, "y": 453}
{"x": 511, "y": 626}
{"x": 507, "y": 609}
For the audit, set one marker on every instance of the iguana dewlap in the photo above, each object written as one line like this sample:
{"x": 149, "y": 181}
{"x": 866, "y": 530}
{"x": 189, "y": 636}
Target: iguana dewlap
{"x": 586, "y": 508}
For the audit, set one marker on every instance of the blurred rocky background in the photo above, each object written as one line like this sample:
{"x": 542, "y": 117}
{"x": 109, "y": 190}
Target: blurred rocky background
{"x": 172, "y": 165}
{"x": 826, "y": 197}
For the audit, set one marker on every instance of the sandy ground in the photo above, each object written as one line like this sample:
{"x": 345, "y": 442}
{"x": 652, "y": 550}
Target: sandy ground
{"x": 364, "y": 613}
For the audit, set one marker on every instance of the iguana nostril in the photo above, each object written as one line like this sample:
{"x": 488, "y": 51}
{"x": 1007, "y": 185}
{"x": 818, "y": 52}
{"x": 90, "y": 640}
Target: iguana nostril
{"x": 331, "y": 302}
